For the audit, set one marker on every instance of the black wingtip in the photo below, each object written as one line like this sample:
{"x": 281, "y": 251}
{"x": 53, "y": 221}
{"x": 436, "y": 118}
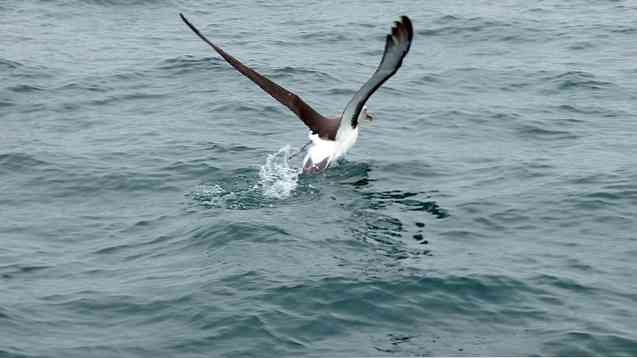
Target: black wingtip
{"x": 184, "y": 19}
{"x": 193, "y": 28}
{"x": 407, "y": 22}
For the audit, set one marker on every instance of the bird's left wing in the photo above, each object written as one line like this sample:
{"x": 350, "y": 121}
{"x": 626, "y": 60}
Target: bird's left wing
{"x": 396, "y": 47}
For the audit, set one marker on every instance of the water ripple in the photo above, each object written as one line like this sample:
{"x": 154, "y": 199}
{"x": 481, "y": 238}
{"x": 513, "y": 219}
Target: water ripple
{"x": 148, "y": 211}
{"x": 19, "y": 162}
{"x": 189, "y": 64}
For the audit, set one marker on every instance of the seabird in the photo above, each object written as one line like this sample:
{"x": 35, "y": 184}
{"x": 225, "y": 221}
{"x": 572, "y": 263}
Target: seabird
{"x": 331, "y": 137}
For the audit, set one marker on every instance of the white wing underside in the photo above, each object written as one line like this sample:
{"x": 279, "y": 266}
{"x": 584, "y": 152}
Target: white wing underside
{"x": 396, "y": 47}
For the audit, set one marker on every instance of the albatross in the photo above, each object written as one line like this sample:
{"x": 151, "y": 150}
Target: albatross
{"x": 330, "y": 137}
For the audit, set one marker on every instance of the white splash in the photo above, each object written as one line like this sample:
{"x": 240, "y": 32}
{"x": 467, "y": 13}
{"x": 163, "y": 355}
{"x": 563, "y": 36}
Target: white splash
{"x": 276, "y": 178}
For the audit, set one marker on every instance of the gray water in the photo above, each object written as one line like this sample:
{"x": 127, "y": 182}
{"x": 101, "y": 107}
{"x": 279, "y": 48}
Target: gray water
{"x": 147, "y": 207}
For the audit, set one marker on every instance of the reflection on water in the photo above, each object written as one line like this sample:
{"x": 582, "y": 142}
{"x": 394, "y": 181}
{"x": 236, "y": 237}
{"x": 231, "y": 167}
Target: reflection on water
{"x": 380, "y": 217}
{"x": 390, "y": 220}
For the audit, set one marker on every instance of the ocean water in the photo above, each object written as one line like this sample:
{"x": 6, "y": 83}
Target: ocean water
{"x": 148, "y": 206}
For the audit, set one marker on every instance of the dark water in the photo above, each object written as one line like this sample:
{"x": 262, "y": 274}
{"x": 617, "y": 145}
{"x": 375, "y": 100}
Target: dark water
{"x": 491, "y": 209}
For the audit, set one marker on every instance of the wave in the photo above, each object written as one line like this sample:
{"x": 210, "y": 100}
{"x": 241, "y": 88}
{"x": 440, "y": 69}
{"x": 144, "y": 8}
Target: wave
{"x": 541, "y": 132}
{"x": 571, "y": 80}
{"x": 604, "y": 193}
{"x": 480, "y": 28}
{"x": 9, "y": 65}
{"x": 23, "y": 88}
{"x": 63, "y": 180}
{"x": 119, "y": 3}
{"x": 19, "y": 70}
{"x": 324, "y": 36}
{"x": 134, "y": 96}
{"x": 6, "y": 103}
{"x": 85, "y": 85}
{"x": 592, "y": 110}
{"x": 187, "y": 63}
{"x": 582, "y": 343}
{"x": 18, "y": 162}
{"x": 304, "y": 73}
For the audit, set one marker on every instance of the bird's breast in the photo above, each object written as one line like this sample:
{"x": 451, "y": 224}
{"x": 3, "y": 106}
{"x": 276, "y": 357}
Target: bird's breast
{"x": 323, "y": 152}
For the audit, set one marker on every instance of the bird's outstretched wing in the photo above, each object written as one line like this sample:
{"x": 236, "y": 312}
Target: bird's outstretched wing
{"x": 396, "y": 48}
{"x": 326, "y": 128}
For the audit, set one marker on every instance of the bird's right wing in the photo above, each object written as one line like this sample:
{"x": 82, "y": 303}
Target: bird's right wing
{"x": 326, "y": 128}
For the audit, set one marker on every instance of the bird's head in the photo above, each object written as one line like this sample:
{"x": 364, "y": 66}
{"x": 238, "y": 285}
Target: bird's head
{"x": 365, "y": 116}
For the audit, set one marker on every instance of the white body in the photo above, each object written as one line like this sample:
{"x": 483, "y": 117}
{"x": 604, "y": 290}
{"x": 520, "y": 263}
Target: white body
{"x": 331, "y": 150}
{"x": 324, "y": 152}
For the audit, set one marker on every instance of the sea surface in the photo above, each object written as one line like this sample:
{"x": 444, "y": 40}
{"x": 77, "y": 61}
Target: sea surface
{"x": 148, "y": 207}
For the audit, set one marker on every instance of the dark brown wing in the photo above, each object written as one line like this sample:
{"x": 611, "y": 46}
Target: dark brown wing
{"x": 396, "y": 47}
{"x": 326, "y": 128}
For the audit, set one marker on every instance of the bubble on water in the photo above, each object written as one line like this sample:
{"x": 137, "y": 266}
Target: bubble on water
{"x": 211, "y": 195}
